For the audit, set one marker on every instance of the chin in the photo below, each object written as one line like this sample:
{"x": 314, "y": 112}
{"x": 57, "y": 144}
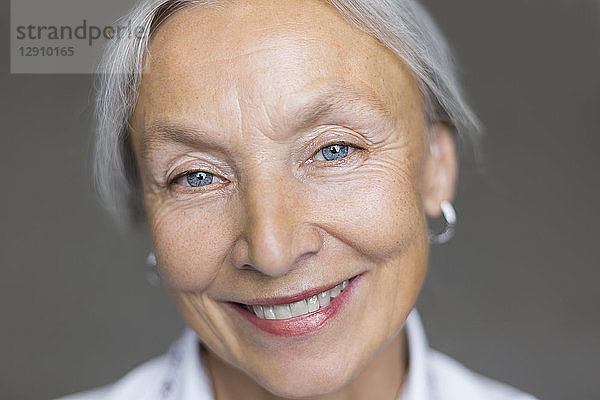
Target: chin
{"x": 307, "y": 378}
{"x": 307, "y": 385}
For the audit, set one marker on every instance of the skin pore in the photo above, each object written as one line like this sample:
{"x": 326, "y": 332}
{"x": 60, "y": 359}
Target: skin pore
{"x": 237, "y": 111}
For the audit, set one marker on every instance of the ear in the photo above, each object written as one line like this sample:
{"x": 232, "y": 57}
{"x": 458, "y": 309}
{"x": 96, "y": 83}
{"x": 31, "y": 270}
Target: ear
{"x": 440, "y": 170}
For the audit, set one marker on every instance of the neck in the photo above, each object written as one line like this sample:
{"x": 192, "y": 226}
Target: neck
{"x": 382, "y": 378}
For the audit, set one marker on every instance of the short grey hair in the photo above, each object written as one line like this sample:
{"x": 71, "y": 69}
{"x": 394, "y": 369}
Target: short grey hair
{"x": 402, "y": 25}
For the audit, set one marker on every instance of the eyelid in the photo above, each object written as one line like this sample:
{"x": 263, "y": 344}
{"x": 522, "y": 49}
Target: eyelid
{"x": 340, "y": 133}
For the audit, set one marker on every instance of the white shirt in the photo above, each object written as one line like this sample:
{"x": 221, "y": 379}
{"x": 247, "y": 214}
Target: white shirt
{"x": 181, "y": 375}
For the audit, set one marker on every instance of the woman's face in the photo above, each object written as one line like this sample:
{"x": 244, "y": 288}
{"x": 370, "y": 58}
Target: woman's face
{"x": 282, "y": 152}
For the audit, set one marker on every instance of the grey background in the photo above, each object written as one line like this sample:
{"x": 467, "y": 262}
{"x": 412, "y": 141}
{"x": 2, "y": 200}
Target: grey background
{"x": 514, "y": 296}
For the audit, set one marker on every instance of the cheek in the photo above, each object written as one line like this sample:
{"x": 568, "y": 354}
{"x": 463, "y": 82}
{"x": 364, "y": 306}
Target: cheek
{"x": 378, "y": 213}
{"x": 191, "y": 245}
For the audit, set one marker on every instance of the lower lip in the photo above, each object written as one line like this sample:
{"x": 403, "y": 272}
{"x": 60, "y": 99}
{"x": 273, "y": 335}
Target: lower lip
{"x": 302, "y": 324}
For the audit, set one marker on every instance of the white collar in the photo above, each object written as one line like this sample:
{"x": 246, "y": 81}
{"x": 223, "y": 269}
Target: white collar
{"x": 417, "y": 385}
{"x": 187, "y": 375}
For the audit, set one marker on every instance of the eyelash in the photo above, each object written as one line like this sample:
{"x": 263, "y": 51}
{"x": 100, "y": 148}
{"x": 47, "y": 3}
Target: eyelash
{"x": 186, "y": 173}
{"x": 340, "y": 143}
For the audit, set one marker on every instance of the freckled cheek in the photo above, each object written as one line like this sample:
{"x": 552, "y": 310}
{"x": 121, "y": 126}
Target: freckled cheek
{"x": 191, "y": 248}
{"x": 380, "y": 217}
{"x": 392, "y": 219}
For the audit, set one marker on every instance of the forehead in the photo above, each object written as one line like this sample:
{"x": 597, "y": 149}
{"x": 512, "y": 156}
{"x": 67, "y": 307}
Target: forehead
{"x": 240, "y": 31}
{"x": 223, "y": 62}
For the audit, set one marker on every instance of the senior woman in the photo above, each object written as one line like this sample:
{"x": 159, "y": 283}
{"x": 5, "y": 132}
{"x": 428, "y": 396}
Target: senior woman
{"x": 285, "y": 156}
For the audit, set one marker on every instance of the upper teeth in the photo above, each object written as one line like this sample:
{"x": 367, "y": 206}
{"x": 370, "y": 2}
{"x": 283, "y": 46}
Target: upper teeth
{"x": 305, "y": 306}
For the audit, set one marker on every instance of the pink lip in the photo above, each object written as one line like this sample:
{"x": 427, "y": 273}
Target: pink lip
{"x": 302, "y": 324}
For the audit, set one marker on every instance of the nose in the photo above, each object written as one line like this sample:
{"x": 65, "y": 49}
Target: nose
{"x": 276, "y": 235}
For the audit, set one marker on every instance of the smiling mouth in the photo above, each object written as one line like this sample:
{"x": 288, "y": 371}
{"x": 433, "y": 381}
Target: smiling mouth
{"x": 299, "y": 314}
{"x": 299, "y": 308}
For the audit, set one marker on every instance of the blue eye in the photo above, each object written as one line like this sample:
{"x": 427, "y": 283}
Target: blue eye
{"x": 199, "y": 178}
{"x": 334, "y": 152}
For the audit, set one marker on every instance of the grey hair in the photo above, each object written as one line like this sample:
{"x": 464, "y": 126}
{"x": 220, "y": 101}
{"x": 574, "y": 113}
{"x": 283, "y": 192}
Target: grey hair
{"x": 401, "y": 25}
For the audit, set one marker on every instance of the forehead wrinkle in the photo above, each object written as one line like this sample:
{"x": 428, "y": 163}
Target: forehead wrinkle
{"x": 340, "y": 97}
{"x": 242, "y": 56}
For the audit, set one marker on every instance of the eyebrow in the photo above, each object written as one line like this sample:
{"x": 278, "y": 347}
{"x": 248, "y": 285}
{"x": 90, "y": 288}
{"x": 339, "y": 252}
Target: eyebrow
{"x": 172, "y": 132}
{"x": 336, "y": 98}
{"x": 340, "y": 98}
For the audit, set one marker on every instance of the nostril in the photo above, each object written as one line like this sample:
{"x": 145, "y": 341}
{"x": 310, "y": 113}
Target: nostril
{"x": 246, "y": 267}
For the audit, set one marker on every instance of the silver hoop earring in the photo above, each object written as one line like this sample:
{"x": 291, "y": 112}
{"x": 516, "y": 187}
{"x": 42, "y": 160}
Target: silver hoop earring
{"x": 152, "y": 274}
{"x": 448, "y": 231}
